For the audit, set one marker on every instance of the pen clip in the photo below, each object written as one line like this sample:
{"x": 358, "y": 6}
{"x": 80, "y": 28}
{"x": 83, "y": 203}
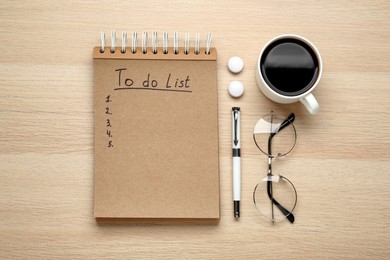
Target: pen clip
{"x": 235, "y": 118}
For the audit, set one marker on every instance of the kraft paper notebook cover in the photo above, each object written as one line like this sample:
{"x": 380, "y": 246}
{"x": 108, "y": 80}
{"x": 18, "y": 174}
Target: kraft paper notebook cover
{"x": 156, "y": 132}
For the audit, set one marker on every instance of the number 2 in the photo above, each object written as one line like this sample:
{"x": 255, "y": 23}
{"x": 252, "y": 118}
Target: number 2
{"x": 108, "y": 111}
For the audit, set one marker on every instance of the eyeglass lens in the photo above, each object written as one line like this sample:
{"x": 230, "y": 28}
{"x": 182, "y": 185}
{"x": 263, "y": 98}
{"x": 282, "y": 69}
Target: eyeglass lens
{"x": 282, "y": 142}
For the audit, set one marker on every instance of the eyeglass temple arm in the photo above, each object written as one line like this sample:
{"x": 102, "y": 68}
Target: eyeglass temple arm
{"x": 286, "y": 212}
{"x": 284, "y": 124}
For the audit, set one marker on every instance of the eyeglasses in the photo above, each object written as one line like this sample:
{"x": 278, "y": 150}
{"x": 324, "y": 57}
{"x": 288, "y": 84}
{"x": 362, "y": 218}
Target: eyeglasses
{"x": 275, "y": 196}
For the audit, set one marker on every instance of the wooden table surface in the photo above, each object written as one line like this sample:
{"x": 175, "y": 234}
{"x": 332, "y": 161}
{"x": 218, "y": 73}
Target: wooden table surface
{"x": 340, "y": 165}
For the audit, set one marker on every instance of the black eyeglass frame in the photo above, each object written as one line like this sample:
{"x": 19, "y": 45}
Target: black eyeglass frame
{"x": 288, "y": 214}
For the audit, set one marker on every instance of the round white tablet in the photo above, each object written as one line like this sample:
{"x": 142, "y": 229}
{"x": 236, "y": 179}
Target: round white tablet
{"x": 235, "y": 64}
{"x": 236, "y": 88}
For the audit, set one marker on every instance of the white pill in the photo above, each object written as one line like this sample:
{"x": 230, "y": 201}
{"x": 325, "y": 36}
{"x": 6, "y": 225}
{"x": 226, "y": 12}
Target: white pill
{"x": 236, "y": 88}
{"x": 235, "y": 64}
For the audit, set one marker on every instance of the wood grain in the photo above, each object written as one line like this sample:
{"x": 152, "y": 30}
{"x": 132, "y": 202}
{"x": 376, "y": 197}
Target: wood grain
{"x": 340, "y": 165}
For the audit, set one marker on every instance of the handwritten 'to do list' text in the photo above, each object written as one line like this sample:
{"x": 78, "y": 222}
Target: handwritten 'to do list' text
{"x": 169, "y": 83}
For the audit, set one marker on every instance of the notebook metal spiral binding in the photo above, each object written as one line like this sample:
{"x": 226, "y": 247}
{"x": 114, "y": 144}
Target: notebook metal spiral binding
{"x": 113, "y": 41}
{"x": 144, "y": 42}
{"x": 165, "y": 42}
{"x": 124, "y": 41}
{"x": 102, "y": 41}
{"x": 134, "y": 42}
{"x": 154, "y": 41}
{"x": 187, "y": 43}
{"x": 176, "y": 43}
{"x": 197, "y": 43}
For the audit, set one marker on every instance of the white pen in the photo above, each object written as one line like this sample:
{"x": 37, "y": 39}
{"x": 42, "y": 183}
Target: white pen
{"x": 236, "y": 145}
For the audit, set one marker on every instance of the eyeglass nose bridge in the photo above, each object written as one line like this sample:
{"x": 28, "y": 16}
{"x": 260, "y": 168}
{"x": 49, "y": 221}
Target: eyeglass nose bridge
{"x": 269, "y": 165}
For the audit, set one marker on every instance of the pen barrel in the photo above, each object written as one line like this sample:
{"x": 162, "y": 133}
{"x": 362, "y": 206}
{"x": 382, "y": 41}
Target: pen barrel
{"x": 236, "y": 178}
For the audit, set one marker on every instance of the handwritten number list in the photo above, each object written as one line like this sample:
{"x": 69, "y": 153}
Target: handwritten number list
{"x": 108, "y": 118}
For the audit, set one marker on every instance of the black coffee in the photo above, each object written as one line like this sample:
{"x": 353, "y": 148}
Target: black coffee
{"x": 289, "y": 67}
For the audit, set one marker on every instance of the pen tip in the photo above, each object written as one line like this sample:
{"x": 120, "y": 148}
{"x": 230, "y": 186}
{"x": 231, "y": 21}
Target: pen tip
{"x": 236, "y": 209}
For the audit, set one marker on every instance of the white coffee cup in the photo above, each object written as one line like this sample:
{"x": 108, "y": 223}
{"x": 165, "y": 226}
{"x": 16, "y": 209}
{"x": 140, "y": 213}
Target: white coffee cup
{"x": 305, "y": 93}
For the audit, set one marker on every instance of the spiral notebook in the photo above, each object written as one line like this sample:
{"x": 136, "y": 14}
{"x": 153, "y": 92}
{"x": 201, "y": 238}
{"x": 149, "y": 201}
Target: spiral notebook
{"x": 156, "y": 129}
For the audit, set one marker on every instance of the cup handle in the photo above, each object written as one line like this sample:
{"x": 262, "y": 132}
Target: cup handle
{"x": 310, "y": 103}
